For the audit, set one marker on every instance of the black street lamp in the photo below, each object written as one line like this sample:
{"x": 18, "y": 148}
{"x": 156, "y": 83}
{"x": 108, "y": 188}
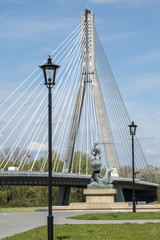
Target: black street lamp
{"x": 132, "y": 128}
{"x": 49, "y": 72}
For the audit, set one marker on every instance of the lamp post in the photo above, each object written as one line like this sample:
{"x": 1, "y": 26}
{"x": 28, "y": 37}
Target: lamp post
{"x": 49, "y": 72}
{"x": 132, "y": 128}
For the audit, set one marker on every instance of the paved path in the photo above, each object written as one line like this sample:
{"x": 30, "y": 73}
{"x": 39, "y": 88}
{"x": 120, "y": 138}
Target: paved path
{"x": 11, "y": 223}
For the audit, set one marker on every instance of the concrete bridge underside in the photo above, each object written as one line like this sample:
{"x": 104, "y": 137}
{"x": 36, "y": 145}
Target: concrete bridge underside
{"x": 144, "y": 191}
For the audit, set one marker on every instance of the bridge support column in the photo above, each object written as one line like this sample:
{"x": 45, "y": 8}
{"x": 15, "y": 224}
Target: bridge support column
{"x": 63, "y": 196}
{"x": 119, "y": 195}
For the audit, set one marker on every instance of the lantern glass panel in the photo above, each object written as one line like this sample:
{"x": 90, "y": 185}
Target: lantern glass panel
{"x": 132, "y": 129}
{"x": 50, "y": 75}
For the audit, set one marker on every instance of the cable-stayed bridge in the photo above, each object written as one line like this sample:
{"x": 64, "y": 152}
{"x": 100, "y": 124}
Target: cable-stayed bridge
{"x": 87, "y": 108}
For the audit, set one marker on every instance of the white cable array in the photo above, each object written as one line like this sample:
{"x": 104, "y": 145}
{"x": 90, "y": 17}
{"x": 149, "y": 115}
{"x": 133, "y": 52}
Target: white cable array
{"x": 62, "y": 94}
{"x": 18, "y": 99}
{"x": 15, "y": 145}
{"x": 34, "y": 129}
{"x": 72, "y": 33}
{"x": 66, "y": 49}
{"x": 70, "y": 103}
{"x": 116, "y": 111}
{"x": 61, "y": 97}
{"x": 73, "y": 50}
{"x": 18, "y": 121}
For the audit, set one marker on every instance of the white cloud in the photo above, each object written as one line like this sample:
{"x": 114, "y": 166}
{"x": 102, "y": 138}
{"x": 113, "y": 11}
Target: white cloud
{"x": 141, "y": 84}
{"x": 22, "y": 28}
{"x": 113, "y": 37}
{"x": 145, "y": 137}
{"x": 1, "y": 135}
{"x": 35, "y": 146}
{"x": 148, "y": 57}
{"x": 150, "y": 152}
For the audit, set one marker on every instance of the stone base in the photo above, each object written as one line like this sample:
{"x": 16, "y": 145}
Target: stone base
{"x": 99, "y": 196}
{"x": 104, "y": 199}
{"x": 114, "y": 207}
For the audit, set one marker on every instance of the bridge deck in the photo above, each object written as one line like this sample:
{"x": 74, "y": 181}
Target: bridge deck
{"x": 64, "y": 179}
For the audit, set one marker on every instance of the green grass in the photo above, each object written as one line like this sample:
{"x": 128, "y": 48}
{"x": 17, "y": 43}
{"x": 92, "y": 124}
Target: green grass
{"x": 119, "y": 216}
{"x": 146, "y": 231}
{"x": 21, "y": 209}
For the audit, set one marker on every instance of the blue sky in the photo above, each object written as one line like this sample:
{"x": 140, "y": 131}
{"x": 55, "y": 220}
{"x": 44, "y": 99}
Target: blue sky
{"x": 130, "y": 34}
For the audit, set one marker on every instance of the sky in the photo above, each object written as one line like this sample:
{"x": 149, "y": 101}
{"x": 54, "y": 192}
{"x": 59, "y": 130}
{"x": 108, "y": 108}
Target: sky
{"x": 130, "y": 34}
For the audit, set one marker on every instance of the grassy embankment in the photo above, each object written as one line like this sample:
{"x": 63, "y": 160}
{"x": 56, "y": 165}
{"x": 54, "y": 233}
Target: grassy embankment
{"x": 146, "y": 231}
{"x": 119, "y": 216}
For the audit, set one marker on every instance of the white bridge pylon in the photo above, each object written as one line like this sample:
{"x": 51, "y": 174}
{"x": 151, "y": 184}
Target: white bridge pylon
{"x": 89, "y": 77}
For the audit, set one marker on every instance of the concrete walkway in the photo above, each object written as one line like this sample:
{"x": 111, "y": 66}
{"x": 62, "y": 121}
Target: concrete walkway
{"x": 12, "y": 223}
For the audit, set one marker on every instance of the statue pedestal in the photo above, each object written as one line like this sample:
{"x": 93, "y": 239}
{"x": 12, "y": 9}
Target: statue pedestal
{"x": 99, "y": 196}
{"x": 97, "y": 200}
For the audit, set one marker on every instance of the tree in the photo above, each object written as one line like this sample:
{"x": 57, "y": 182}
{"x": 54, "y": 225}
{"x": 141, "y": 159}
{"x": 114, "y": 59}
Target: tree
{"x": 125, "y": 171}
{"x": 149, "y": 174}
{"x": 81, "y": 161}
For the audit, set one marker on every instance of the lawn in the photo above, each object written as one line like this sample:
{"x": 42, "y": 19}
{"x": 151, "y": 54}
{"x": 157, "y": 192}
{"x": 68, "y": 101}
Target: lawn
{"x": 146, "y": 231}
{"x": 119, "y": 216}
